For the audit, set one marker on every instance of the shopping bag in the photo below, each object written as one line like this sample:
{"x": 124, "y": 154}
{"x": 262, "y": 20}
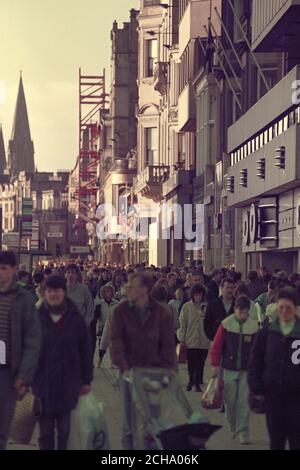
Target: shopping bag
{"x": 212, "y": 397}
{"x": 181, "y": 353}
{"x": 88, "y": 429}
{"x": 24, "y": 420}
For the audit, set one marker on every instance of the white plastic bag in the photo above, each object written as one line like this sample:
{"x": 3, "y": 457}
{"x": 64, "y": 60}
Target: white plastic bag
{"x": 88, "y": 426}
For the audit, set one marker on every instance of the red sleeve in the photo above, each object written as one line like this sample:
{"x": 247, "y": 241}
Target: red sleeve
{"x": 217, "y": 347}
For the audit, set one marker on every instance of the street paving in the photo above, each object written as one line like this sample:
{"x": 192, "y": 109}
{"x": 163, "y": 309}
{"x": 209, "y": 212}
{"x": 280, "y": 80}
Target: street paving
{"x": 106, "y": 390}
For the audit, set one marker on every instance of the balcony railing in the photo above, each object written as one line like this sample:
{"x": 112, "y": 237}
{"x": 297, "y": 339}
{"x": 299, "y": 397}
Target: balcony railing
{"x": 151, "y": 3}
{"x": 152, "y": 176}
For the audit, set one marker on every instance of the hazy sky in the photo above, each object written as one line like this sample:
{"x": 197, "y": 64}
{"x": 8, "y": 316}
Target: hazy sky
{"x": 49, "y": 40}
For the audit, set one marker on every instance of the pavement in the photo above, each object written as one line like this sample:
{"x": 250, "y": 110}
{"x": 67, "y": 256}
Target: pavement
{"x": 106, "y": 390}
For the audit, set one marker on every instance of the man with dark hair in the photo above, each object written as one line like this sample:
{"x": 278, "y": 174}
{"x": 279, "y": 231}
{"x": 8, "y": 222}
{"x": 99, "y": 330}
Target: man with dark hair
{"x": 219, "y": 309}
{"x": 141, "y": 336}
{"x": 19, "y": 339}
{"x": 47, "y": 272}
{"x": 268, "y": 297}
{"x": 254, "y": 285}
{"x": 79, "y": 294}
{"x": 23, "y": 280}
{"x": 214, "y": 285}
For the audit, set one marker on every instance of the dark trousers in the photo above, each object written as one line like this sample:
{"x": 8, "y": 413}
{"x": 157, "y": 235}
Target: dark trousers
{"x": 48, "y": 424}
{"x": 283, "y": 421}
{"x": 8, "y": 397}
{"x": 196, "y": 360}
{"x": 93, "y": 335}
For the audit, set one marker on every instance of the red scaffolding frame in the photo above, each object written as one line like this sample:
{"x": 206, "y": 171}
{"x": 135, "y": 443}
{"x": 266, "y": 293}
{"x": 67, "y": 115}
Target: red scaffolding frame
{"x": 92, "y": 98}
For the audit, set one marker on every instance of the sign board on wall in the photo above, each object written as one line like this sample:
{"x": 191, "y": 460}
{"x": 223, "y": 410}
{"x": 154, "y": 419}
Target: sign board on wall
{"x": 34, "y": 245}
{"x": 11, "y": 239}
{"x": 80, "y": 250}
{"x": 26, "y": 223}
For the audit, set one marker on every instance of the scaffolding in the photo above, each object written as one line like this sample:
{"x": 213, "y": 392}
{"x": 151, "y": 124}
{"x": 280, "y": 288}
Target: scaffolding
{"x": 92, "y": 99}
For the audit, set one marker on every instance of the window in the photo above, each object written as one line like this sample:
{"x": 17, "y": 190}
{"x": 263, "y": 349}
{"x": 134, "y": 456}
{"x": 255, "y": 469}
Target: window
{"x": 266, "y": 136}
{"x": 151, "y": 56}
{"x": 292, "y": 118}
{"x": 152, "y": 146}
{"x": 276, "y": 129}
{"x": 236, "y": 112}
{"x": 270, "y": 133}
{"x": 270, "y": 74}
{"x": 219, "y": 172}
{"x": 256, "y": 143}
{"x": 261, "y": 140}
{"x": 209, "y": 227}
{"x": 239, "y": 9}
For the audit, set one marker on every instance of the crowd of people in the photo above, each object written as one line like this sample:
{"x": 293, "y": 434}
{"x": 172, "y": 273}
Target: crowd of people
{"x": 245, "y": 330}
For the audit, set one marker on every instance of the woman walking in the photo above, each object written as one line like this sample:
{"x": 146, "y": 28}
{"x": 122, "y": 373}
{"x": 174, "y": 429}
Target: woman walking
{"x": 191, "y": 334}
{"x": 65, "y": 367}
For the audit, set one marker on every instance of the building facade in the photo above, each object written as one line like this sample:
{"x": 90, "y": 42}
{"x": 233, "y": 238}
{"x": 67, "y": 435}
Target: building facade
{"x": 263, "y": 144}
{"x": 118, "y": 140}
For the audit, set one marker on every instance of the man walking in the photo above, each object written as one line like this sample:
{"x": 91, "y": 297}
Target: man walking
{"x": 19, "y": 340}
{"x": 79, "y": 294}
{"x": 141, "y": 336}
{"x": 219, "y": 309}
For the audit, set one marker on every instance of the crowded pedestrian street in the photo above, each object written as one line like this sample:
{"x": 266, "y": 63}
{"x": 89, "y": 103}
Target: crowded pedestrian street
{"x": 149, "y": 229}
{"x": 106, "y": 389}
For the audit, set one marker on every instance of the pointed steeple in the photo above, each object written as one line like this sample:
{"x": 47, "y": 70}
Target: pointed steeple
{"x": 21, "y": 152}
{"x": 2, "y": 153}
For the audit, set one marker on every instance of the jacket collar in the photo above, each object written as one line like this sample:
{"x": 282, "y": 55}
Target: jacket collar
{"x": 275, "y": 326}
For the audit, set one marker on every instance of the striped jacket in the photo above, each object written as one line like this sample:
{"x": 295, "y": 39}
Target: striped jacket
{"x": 233, "y": 342}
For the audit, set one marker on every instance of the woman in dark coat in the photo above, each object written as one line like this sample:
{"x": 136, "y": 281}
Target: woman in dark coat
{"x": 65, "y": 368}
{"x": 274, "y": 373}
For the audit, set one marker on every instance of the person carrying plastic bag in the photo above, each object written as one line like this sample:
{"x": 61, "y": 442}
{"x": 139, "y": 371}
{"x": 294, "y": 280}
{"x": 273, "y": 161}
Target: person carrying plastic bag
{"x": 65, "y": 369}
{"x": 88, "y": 426}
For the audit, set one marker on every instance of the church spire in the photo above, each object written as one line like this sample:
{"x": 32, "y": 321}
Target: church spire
{"x": 2, "y": 153}
{"x": 21, "y": 152}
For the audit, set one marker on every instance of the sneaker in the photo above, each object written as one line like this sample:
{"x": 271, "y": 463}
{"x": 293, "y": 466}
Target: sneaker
{"x": 244, "y": 441}
{"x": 222, "y": 409}
{"x": 189, "y": 387}
{"x": 198, "y": 388}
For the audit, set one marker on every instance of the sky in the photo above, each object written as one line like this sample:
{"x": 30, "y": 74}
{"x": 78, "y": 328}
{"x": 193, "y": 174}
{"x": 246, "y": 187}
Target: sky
{"x": 49, "y": 40}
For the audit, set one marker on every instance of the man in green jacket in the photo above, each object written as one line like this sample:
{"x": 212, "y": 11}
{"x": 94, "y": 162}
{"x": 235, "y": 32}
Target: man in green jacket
{"x": 19, "y": 342}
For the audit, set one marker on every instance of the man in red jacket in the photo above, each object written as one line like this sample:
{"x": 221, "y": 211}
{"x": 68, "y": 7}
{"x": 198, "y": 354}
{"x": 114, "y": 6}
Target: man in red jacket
{"x": 141, "y": 336}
